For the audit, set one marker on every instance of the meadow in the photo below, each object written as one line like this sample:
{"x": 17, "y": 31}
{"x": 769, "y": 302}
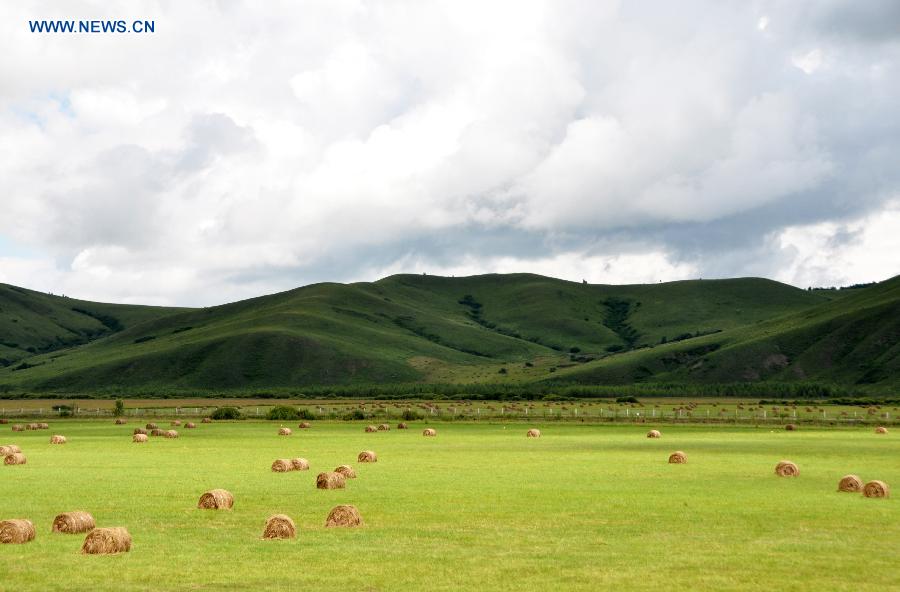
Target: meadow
{"x": 480, "y": 506}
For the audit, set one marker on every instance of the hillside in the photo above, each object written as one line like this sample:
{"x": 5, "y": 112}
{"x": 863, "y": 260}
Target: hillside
{"x": 517, "y": 328}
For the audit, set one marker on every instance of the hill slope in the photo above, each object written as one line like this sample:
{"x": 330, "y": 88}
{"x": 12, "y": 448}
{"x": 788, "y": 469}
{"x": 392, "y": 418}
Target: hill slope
{"x": 491, "y": 328}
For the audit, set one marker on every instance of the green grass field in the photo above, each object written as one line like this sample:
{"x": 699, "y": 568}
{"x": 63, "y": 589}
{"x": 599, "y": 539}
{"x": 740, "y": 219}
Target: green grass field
{"x": 479, "y": 507}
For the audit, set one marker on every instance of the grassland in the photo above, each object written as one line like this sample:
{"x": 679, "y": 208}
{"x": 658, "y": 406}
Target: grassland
{"x": 585, "y": 507}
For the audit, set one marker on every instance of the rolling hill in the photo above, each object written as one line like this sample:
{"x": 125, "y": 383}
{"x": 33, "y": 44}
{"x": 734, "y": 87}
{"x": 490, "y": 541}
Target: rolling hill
{"x": 509, "y": 329}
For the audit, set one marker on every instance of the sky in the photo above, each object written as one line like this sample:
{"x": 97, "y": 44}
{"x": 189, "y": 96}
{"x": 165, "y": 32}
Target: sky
{"x": 245, "y": 148}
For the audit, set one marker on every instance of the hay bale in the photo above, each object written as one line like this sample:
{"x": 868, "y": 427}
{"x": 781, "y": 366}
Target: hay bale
{"x": 300, "y": 464}
{"x": 330, "y": 480}
{"x": 105, "y": 541}
{"x": 139, "y": 431}
{"x": 367, "y": 456}
{"x": 152, "y": 426}
{"x": 138, "y": 438}
{"x": 850, "y": 484}
{"x": 343, "y": 516}
{"x": 402, "y": 426}
{"x": 430, "y": 432}
{"x": 73, "y": 522}
{"x": 282, "y": 465}
{"x": 171, "y": 434}
{"x": 18, "y": 427}
{"x": 206, "y": 420}
{"x": 653, "y": 434}
{"x": 371, "y": 428}
{"x": 4, "y": 421}
{"x": 285, "y": 432}
{"x": 190, "y": 425}
{"x": 157, "y": 432}
{"x": 32, "y": 426}
{"x": 43, "y": 426}
{"x": 383, "y": 427}
{"x": 9, "y": 449}
{"x": 279, "y": 526}
{"x": 57, "y": 439}
{"x": 881, "y": 430}
{"x": 347, "y": 471}
{"x": 16, "y": 531}
{"x": 786, "y": 468}
{"x": 876, "y": 489}
{"x": 533, "y": 433}
{"x": 176, "y": 423}
{"x": 120, "y": 421}
{"x": 791, "y": 427}
{"x": 677, "y": 458}
{"x": 16, "y": 458}
{"x": 304, "y": 425}
{"x": 216, "y": 499}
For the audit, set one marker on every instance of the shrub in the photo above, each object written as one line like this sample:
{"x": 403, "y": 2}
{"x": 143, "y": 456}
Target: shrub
{"x": 355, "y": 414}
{"x": 119, "y": 408}
{"x": 410, "y": 415}
{"x": 627, "y": 400}
{"x": 306, "y": 414}
{"x": 283, "y": 412}
{"x": 226, "y": 413}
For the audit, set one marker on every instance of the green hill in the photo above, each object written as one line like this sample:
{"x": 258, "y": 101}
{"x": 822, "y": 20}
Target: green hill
{"x": 514, "y": 329}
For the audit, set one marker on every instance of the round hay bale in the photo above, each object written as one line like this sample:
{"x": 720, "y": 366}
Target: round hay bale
{"x": 16, "y": 458}
{"x": 279, "y": 526}
{"x": 876, "y": 489}
{"x": 152, "y": 426}
{"x": 304, "y": 425}
{"x": 216, "y": 499}
{"x": 330, "y": 480}
{"x": 300, "y": 464}
{"x": 850, "y": 484}
{"x": 367, "y": 456}
{"x": 16, "y": 531}
{"x": 176, "y": 422}
{"x": 533, "y": 433}
{"x": 120, "y": 421}
{"x": 106, "y": 541}
{"x": 383, "y": 427}
{"x": 653, "y": 434}
{"x": 430, "y": 432}
{"x": 206, "y": 420}
{"x": 171, "y": 434}
{"x": 371, "y": 428}
{"x": 190, "y": 425}
{"x": 157, "y": 432}
{"x": 73, "y": 522}
{"x": 282, "y": 465}
{"x": 791, "y": 427}
{"x": 9, "y": 449}
{"x": 138, "y": 438}
{"x": 677, "y": 458}
{"x": 32, "y": 426}
{"x": 43, "y": 426}
{"x": 3, "y": 421}
{"x": 402, "y": 426}
{"x": 18, "y": 428}
{"x": 139, "y": 431}
{"x": 285, "y": 432}
{"x": 786, "y": 468}
{"x": 881, "y": 430}
{"x": 343, "y": 516}
{"x": 57, "y": 439}
{"x": 347, "y": 471}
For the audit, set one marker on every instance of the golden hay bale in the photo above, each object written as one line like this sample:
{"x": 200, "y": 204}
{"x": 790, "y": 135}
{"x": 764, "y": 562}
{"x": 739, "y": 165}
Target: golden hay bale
{"x": 32, "y": 426}
{"x": 139, "y": 431}
{"x": 152, "y": 426}
{"x": 383, "y": 427}
{"x": 786, "y": 468}
{"x": 850, "y": 484}
{"x": 73, "y": 522}
{"x": 285, "y": 432}
{"x": 367, "y": 456}
{"x": 282, "y": 465}
{"x": 677, "y": 458}
{"x": 881, "y": 430}
{"x": 104, "y": 541}
{"x": 371, "y": 428}
{"x": 343, "y": 516}
{"x": 216, "y": 499}
{"x": 43, "y": 426}
{"x": 653, "y": 434}
{"x": 190, "y": 425}
{"x": 18, "y": 428}
{"x": 57, "y": 439}
{"x": 876, "y": 489}
{"x": 206, "y": 420}
{"x": 9, "y": 449}
{"x": 347, "y": 471}
{"x": 120, "y": 421}
{"x": 330, "y": 480}
{"x": 170, "y": 434}
{"x": 16, "y": 458}
{"x": 300, "y": 464}
{"x": 304, "y": 425}
{"x": 157, "y": 432}
{"x": 429, "y": 432}
{"x": 138, "y": 438}
{"x": 791, "y": 427}
{"x": 533, "y": 433}
{"x": 402, "y": 426}
{"x": 279, "y": 526}
{"x": 16, "y": 531}
{"x": 176, "y": 422}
